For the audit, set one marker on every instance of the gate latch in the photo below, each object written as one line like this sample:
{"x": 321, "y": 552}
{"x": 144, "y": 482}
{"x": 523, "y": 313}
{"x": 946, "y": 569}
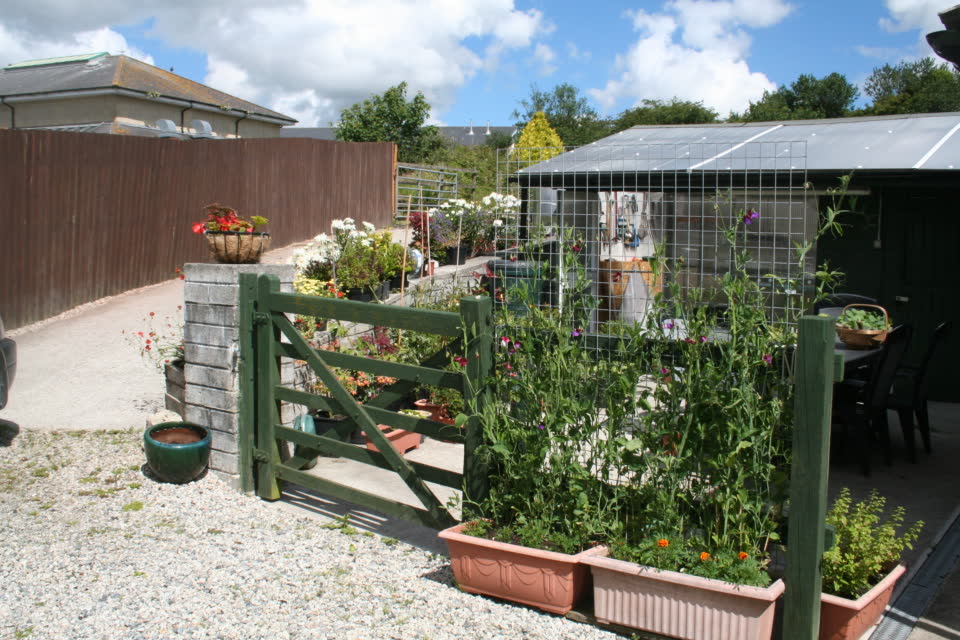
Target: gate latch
{"x": 261, "y": 318}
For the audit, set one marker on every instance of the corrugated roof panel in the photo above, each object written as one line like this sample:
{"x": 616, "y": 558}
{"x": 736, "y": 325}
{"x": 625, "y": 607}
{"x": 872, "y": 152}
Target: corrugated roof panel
{"x": 908, "y": 142}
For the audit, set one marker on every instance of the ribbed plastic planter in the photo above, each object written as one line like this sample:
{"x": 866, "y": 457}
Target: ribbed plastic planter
{"x": 678, "y": 605}
{"x": 547, "y": 580}
{"x": 841, "y": 618}
{"x": 177, "y": 452}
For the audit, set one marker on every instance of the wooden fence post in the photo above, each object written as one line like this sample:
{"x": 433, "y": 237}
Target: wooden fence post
{"x": 477, "y": 316}
{"x": 814, "y": 377}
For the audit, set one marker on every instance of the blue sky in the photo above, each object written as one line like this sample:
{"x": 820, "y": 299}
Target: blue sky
{"x": 475, "y": 59}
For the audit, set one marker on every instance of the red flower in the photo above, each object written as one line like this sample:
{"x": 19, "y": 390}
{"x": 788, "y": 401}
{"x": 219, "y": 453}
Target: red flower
{"x": 704, "y": 556}
{"x": 197, "y": 228}
{"x": 460, "y": 360}
{"x": 743, "y": 555}
{"x": 663, "y": 542}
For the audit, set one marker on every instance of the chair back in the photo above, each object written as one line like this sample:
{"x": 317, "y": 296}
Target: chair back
{"x": 878, "y": 390}
{"x": 941, "y": 333}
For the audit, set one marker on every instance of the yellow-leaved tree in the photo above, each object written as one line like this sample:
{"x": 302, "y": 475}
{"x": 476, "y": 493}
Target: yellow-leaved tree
{"x": 538, "y": 141}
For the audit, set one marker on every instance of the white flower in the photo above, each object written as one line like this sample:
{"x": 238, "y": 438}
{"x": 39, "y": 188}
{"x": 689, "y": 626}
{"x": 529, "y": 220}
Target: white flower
{"x": 498, "y": 223}
{"x": 369, "y": 227}
{"x": 321, "y": 238}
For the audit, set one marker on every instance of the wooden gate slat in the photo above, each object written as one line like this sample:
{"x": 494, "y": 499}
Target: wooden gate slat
{"x": 311, "y": 443}
{"x": 359, "y": 415}
{"x": 408, "y": 512}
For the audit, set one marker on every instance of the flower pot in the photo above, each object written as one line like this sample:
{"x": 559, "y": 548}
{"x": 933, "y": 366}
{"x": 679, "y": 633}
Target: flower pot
{"x": 359, "y": 294}
{"x": 177, "y": 452}
{"x": 438, "y": 412}
{"x": 841, "y": 618}
{"x": 459, "y": 253}
{"x": 237, "y": 247}
{"x": 547, "y": 580}
{"x": 678, "y": 605}
{"x": 401, "y": 440}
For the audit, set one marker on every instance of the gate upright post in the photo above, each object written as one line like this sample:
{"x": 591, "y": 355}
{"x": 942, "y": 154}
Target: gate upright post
{"x": 247, "y": 406}
{"x": 814, "y": 376}
{"x": 477, "y": 318}
{"x": 266, "y": 453}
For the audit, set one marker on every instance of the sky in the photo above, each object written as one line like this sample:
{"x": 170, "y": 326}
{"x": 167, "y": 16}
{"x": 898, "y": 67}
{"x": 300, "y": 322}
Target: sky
{"x": 474, "y": 60}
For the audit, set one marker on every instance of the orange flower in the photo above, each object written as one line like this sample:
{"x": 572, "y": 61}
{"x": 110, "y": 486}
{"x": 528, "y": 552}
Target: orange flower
{"x": 704, "y": 556}
{"x": 663, "y": 542}
{"x": 743, "y": 555}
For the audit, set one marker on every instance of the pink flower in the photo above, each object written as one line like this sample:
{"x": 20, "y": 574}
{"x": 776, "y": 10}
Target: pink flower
{"x": 460, "y": 360}
{"x": 768, "y": 359}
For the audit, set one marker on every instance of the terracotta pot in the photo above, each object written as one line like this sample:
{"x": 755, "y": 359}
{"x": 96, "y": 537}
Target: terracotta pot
{"x": 547, "y": 580}
{"x": 841, "y": 618}
{"x": 678, "y": 605}
{"x": 438, "y": 412}
{"x": 235, "y": 247}
{"x": 401, "y": 440}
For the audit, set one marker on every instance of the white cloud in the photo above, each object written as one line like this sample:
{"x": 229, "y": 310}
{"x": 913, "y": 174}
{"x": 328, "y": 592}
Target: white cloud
{"x": 694, "y": 50}
{"x": 906, "y": 15}
{"x": 545, "y": 56}
{"x": 312, "y": 56}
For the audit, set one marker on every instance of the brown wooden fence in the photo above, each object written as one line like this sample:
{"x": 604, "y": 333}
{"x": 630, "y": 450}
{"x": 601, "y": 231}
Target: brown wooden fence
{"x": 84, "y": 216}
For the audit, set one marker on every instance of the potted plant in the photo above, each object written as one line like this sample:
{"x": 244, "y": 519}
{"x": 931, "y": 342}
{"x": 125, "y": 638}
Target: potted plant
{"x": 859, "y": 328}
{"x": 232, "y": 239}
{"x": 402, "y": 440}
{"x": 160, "y": 343}
{"x": 862, "y": 568}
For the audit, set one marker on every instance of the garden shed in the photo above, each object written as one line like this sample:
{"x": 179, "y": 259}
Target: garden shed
{"x": 679, "y": 187}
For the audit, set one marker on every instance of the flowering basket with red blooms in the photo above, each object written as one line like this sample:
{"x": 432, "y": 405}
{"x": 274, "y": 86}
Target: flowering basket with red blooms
{"x": 230, "y": 238}
{"x": 222, "y": 218}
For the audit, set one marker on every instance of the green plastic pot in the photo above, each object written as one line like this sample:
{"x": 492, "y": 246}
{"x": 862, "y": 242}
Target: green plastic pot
{"x": 177, "y": 452}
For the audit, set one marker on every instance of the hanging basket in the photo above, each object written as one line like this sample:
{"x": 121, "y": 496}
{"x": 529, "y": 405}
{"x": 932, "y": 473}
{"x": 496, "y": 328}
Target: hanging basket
{"x": 863, "y": 338}
{"x": 237, "y": 247}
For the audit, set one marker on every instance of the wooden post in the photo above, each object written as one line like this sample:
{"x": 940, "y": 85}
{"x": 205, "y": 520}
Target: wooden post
{"x": 477, "y": 315}
{"x": 247, "y": 406}
{"x": 266, "y": 452}
{"x": 808, "y": 480}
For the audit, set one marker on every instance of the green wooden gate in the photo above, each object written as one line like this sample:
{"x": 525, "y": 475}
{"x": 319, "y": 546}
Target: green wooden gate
{"x": 267, "y": 335}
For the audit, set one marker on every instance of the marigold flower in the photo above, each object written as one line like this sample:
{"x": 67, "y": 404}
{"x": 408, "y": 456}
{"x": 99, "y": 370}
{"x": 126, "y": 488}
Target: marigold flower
{"x": 743, "y": 555}
{"x": 663, "y": 542}
{"x": 704, "y": 556}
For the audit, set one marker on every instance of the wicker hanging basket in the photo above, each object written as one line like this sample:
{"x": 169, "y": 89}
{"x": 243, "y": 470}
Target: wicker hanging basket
{"x": 864, "y": 338}
{"x": 237, "y": 247}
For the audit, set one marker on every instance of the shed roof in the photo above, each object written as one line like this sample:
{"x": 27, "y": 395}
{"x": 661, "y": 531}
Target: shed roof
{"x": 84, "y": 73}
{"x": 902, "y": 143}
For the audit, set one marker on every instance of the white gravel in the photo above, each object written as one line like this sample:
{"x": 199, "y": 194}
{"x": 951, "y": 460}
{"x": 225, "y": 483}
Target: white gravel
{"x": 90, "y": 548}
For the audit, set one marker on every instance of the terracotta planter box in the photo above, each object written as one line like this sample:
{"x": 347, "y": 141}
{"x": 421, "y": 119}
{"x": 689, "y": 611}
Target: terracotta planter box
{"x": 402, "y": 441}
{"x": 437, "y": 412}
{"x": 678, "y": 605}
{"x": 841, "y": 618}
{"x": 547, "y": 580}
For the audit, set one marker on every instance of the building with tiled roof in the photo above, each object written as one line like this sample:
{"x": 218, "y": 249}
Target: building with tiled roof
{"x": 117, "y": 94}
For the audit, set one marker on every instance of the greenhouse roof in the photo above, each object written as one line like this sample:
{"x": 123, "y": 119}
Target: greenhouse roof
{"x": 902, "y": 143}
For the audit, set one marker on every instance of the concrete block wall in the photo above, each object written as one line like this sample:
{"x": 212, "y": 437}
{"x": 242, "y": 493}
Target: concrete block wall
{"x": 212, "y": 348}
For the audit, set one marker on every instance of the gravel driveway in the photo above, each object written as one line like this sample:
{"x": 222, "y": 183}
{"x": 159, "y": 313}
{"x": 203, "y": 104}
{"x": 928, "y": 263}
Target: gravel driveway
{"x": 90, "y": 548}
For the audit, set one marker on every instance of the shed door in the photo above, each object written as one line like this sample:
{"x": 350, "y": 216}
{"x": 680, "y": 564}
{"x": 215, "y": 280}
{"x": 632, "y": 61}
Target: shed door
{"x": 921, "y": 236}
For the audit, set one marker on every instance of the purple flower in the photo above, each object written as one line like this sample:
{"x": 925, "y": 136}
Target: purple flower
{"x": 768, "y": 358}
{"x": 668, "y": 324}
{"x": 750, "y": 217}
{"x": 541, "y": 426}
{"x": 664, "y": 370}
{"x": 703, "y": 338}
{"x": 575, "y": 333}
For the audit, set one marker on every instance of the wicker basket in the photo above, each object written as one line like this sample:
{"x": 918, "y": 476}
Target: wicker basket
{"x": 236, "y": 247}
{"x": 864, "y": 338}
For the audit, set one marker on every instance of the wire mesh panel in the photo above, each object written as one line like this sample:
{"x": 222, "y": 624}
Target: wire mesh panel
{"x": 608, "y": 226}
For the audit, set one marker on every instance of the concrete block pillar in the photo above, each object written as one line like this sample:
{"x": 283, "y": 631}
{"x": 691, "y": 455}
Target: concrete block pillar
{"x": 212, "y": 349}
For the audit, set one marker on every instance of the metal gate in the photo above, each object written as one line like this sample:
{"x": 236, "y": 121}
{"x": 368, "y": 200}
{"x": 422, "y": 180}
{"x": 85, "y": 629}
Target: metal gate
{"x": 267, "y": 336}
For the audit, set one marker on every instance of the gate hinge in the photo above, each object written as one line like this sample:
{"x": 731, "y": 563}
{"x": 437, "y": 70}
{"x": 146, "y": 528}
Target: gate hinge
{"x": 260, "y": 318}
{"x": 260, "y": 455}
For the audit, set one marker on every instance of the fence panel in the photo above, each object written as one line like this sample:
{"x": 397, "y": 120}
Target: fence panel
{"x": 90, "y": 215}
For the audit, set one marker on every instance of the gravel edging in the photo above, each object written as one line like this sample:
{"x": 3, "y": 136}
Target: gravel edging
{"x": 92, "y": 548}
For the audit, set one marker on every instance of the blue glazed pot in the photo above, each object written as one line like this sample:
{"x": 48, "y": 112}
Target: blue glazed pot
{"x": 177, "y": 452}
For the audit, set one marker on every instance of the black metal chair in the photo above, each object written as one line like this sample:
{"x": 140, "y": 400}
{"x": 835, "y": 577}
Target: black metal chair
{"x": 842, "y": 300}
{"x": 864, "y": 404}
{"x": 911, "y": 399}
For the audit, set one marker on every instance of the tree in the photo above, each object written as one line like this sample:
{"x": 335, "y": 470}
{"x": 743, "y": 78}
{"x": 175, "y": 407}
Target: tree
{"x": 538, "y": 141}
{"x": 914, "y": 87}
{"x": 574, "y": 120}
{"x": 831, "y": 96}
{"x": 390, "y": 117}
{"x": 653, "y": 112}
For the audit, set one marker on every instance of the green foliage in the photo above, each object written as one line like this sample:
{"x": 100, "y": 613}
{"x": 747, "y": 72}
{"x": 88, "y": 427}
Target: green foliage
{"x": 574, "y": 120}
{"x": 480, "y": 158}
{"x": 867, "y": 546}
{"x": 831, "y": 96}
{"x": 654, "y": 112}
{"x": 921, "y": 86}
{"x": 856, "y": 318}
{"x": 136, "y": 505}
{"x": 390, "y": 117}
{"x": 689, "y": 555}
{"x": 538, "y": 141}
